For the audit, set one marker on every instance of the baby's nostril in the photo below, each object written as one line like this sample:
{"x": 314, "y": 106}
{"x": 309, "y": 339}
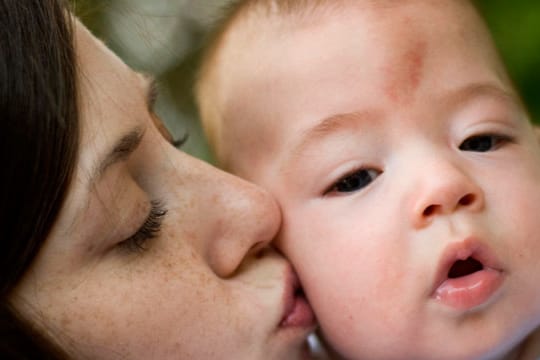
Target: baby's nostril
{"x": 429, "y": 210}
{"x": 466, "y": 200}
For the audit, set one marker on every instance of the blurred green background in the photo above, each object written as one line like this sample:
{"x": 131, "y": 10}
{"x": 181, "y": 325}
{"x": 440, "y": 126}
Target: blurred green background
{"x": 163, "y": 38}
{"x": 515, "y": 25}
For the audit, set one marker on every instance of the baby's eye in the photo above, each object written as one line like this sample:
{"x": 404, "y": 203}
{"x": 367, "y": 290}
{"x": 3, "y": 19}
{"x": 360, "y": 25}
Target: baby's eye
{"x": 483, "y": 143}
{"x": 355, "y": 181}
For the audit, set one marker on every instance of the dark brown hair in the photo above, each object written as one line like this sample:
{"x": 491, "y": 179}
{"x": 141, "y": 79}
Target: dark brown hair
{"x": 38, "y": 147}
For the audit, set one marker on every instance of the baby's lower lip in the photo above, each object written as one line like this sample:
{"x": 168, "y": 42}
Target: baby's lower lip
{"x": 467, "y": 292}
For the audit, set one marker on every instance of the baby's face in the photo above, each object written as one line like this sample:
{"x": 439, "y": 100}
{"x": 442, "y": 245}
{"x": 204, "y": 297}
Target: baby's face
{"x": 407, "y": 171}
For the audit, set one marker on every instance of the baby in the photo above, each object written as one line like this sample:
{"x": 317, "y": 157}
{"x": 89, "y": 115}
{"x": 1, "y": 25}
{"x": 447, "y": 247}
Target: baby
{"x": 405, "y": 165}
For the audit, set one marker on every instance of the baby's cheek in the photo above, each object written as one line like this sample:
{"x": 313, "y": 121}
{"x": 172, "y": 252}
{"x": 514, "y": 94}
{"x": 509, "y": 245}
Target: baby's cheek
{"x": 330, "y": 283}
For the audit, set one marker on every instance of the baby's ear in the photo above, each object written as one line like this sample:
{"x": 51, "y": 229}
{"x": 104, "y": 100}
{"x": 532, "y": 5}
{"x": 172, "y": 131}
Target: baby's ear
{"x": 537, "y": 131}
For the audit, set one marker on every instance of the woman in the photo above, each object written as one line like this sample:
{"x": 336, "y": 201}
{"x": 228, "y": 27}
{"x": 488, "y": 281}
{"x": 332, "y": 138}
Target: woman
{"x": 115, "y": 244}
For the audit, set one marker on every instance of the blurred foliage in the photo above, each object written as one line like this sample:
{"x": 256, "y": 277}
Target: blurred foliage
{"x": 514, "y": 25}
{"x": 175, "y": 104}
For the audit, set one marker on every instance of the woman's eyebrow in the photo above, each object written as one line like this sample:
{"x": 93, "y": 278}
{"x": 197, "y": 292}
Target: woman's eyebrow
{"x": 120, "y": 151}
{"x": 151, "y": 93}
{"x": 129, "y": 142}
{"x": 152, "y": 90}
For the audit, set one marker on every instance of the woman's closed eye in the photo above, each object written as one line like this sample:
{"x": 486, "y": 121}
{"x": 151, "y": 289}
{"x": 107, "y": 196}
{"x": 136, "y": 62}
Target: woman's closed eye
{"x": 484, "y": 142}
{"x": 354, "y": 181}
{"x": 149, "y": 229}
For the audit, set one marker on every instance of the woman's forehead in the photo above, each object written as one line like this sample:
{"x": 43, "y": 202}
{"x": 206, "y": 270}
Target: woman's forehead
{"x": 112, "y": 97}
{"x": 101, "y": 69}
{"x": 112, "y": 107}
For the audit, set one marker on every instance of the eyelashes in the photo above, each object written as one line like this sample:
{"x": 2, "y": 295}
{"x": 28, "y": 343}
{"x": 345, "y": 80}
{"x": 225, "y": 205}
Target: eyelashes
{"x": 484, "y": 142}
{"x": 361, "y": 178}
{"x": 355, "y": 181}
{"x": 181, "y": 141}
{"x": 150, "y": 228}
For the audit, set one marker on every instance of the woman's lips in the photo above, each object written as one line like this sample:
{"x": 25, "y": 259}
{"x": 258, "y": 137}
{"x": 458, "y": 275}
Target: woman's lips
{"x": 468, "y": 276}
{"x": 297, "y": 311}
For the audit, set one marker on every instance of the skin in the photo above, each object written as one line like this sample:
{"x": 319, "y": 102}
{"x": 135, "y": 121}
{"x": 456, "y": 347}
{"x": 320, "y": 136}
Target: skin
{"x": 206, "y": 287}
{"x": 394, "y": 91}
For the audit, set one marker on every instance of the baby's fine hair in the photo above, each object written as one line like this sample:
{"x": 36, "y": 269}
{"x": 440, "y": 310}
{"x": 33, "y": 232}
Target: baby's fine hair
{"x": 234, "y": 12}
{"x": 244, "y": 9}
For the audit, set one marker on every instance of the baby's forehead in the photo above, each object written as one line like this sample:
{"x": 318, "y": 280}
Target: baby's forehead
{"x": 270, "y": 51}
{"x": 261, "y": 24}
{"x": 375, "y": 24}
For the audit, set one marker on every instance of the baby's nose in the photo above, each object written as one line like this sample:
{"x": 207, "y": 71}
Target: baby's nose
{"x": 442, "y": 189}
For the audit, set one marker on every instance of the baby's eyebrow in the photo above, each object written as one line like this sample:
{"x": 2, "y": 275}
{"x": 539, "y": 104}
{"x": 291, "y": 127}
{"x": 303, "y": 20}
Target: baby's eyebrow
{"x": 347, "y": 122}
{"x": 331, "y": 125}
{"x": 456, "y": 97}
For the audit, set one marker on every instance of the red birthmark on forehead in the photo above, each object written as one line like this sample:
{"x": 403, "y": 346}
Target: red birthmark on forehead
{"x": 404, "y": 74}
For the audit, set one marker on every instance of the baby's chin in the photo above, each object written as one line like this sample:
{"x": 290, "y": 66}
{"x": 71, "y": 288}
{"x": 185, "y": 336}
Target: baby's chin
{"x": 478, "y": 345}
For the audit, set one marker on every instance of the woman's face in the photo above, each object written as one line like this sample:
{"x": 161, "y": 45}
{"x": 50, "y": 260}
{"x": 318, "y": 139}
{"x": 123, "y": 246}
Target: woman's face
{"x": 156, "y": 255}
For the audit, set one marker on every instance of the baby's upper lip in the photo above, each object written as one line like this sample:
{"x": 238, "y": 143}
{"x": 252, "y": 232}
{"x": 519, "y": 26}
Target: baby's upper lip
{"x": 470, "y": 247}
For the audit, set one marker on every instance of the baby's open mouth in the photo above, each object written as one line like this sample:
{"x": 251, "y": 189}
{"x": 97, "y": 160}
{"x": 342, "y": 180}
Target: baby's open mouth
{"x": 464, "y": 267}
{"x": 469, "y": 275}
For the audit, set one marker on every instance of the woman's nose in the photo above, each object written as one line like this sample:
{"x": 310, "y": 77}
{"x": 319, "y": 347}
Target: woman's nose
{"x": 242, "y": 221}
{"x": 442, "y": 190}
